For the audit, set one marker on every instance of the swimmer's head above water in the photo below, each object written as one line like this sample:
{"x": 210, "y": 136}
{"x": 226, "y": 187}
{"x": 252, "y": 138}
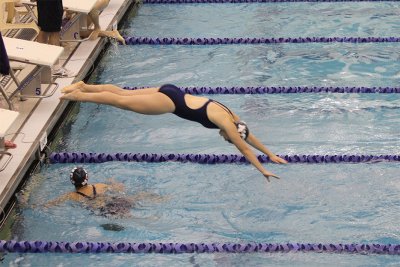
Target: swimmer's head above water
{"x": 79, "y": 177}
{"x": 242, "y": 129}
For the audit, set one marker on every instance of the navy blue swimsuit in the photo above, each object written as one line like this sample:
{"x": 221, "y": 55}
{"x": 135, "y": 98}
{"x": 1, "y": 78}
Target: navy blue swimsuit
{"x": 116, "y": 207}
{"x": 182, "y": 110}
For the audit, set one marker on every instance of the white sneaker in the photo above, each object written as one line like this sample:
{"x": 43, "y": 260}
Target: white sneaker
{"x": 17, "y": 65}
{"x": 63, "y": 73}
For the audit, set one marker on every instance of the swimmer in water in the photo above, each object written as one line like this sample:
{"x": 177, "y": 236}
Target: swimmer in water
{"x": 170, "y": 99}
{"x": 102, "y": 199}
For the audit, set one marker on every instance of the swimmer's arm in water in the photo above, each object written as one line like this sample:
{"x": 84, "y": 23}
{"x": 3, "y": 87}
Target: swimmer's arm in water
{"x": 114, "y": 186}
{"x": 60, "y": 199}
{"x": 254, "y": 142}
{"x": 235, "y": 138}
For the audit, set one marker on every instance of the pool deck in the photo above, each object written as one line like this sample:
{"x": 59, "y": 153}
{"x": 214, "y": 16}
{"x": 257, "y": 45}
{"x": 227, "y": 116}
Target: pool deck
{"x": 38, "y": 117}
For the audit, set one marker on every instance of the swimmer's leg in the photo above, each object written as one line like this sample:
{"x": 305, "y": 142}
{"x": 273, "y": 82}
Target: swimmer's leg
{"x": 93, "y": 17}
{"x": 96, "y": 88}
{"x": 149, "y": 104}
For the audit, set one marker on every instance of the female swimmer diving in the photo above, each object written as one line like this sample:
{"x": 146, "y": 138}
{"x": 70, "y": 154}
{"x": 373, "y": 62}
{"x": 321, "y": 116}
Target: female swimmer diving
{"x": 170, "y": 99}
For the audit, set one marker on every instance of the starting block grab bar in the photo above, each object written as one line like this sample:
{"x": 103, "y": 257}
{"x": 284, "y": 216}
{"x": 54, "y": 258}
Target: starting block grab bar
{"x": 34, "y": 88}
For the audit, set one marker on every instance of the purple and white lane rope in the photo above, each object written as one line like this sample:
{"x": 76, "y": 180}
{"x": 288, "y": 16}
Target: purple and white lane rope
{"x": 133, "y": 40}
{"x": 81, "y": 157}
{"x": 197, "y": 90}
{"x": 177, "y": 248}
{"x": 250, "y": 1}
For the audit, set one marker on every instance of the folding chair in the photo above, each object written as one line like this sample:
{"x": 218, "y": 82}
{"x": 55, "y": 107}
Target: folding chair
{"x": 6, "y": 21}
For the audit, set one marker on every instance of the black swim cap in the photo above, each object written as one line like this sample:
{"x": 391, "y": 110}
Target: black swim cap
{"x": 242, "y": 129}
{"x": 79, "y": 176}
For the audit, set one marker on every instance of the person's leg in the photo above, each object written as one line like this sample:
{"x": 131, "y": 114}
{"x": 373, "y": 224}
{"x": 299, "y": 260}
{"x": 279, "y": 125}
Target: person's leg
{"x": 54, "y": 38}
{"x": 43, "y": 37}
{"x": 150, "y": 104}
{"x": 94, "y": 14}
{"x": 101, "y": 5}
{"x": 94, "y": 18}
{"x": 49, "y": 21}
{"x": 96, "y": 88}
{"x": 42, "y": 9}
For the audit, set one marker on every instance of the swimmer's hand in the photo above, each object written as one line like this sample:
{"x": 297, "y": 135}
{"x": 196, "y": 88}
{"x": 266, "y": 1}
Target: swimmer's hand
{"x": 269, "y": 174}
{"x": 277, "y": 159}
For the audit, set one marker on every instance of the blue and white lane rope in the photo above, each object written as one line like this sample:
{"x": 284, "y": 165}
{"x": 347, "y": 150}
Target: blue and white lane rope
{"x": 282, "y": 89}
{"x": 81, "y": 157}
{"x": 178, "y": 248}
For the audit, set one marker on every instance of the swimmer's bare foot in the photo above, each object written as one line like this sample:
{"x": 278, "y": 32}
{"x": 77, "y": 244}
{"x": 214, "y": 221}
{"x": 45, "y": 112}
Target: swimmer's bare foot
{"x": 70, "y": 88}
{"x": 73, "y": 96}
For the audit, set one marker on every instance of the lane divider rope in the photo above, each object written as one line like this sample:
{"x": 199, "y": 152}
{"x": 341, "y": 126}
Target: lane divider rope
{"x": 133, "y": 40}
{"x": 281, "y": 89}
{"x": 250, "y": 1}
{"x": 175, "y": 248}
{"x": 80, "y": 157}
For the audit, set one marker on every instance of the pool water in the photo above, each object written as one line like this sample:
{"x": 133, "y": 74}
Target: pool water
{"x": 311, "y": 203}
{"x": 266, "y": 20}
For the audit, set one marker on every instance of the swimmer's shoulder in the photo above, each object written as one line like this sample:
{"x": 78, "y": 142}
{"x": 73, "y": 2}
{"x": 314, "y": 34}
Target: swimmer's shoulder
{"x": 101, "y": 187}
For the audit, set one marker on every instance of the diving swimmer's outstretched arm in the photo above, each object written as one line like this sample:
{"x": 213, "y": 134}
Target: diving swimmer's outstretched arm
{"x": 254, "y": 142}
{"x": 235, "y": 138}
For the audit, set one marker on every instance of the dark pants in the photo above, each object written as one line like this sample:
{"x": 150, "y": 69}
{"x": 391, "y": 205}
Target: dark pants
{"x": 50, "y": 13}
{"x": 4, "y": 61}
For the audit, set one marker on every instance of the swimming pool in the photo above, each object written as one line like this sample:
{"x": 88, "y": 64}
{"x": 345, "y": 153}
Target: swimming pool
{"x": 321, "y": 203}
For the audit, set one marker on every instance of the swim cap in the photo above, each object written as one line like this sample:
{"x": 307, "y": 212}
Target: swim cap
{"x": 79, "y": 176}
{"x": 242, "y": 129}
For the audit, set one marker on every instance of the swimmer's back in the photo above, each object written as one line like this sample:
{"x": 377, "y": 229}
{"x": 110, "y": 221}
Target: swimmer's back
{"x": 89, "y": 192}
